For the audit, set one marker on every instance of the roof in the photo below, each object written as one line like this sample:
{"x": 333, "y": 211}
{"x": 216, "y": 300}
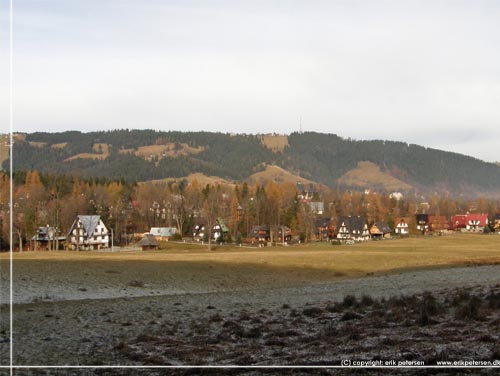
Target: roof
{"x": 352, "y": 224}
{"x": 163, "y": 231}
{"x": 222, "y": 225}
{"x": 89, "y": 222}
{"x": 148, "y": 240}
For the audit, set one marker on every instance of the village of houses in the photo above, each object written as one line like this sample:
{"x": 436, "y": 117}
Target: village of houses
{"x": 89, "y": 232}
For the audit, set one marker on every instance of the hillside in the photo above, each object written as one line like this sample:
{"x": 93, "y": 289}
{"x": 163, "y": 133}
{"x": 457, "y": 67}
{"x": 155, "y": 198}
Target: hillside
{"x": 141, "y": 155}
{"x": 368, "y": 174}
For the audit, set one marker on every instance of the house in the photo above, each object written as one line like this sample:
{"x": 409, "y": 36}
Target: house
{"x": 401, "y": 226}
{"x": 148, "y": 242}
{"x": 470, "y": 222}
{"x": 380, "y": 230}
{"x": 163, "y": 233}
{"x": 46, "y": 238}
{"x": 352, "y": 228}
{"x": 219, "y": 230}
{"x": 476, "y": 222}
{"x": 260, "y": 234}
{"x": 199, "y": 230}
{"x": 88, "y": 232}
{"x": 281, "y": 234}
{"x": 459, "y": 222}
{"x": 422, "y": 222}
{"x": 324, "y": 229}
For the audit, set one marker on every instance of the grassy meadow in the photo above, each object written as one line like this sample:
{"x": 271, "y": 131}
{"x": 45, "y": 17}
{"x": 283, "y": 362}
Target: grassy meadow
{"x": 191, "y": 267}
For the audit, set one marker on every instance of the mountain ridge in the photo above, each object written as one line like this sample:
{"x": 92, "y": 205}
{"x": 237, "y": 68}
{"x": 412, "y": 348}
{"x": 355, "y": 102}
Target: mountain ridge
{"x": 141, "y": 155}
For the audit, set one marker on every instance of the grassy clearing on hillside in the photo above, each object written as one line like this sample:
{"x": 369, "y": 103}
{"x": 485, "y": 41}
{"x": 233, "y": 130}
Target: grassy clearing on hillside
{"x": 368, "y": 174}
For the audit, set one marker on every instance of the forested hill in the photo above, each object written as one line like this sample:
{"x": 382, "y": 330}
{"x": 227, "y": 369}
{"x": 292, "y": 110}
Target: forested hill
{"x": 141, "y": 155}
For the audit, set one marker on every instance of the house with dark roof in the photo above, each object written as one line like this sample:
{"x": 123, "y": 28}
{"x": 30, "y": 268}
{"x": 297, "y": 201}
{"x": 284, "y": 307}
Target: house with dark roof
{"x": 422, "y": 222}
{"x": 324, "y": 229}
{"x": 219, "y": 230}
{"x": 46, "y": 238}
{"x": 260, "y": 234}
{"x": 148, "y": 242}
{"x": 88, "y": 232}
{"x": 352, "y": 228}
{"x": 380, "y": 230}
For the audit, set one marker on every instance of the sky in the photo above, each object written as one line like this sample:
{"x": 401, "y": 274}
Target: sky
{"x": 424, "y": 71}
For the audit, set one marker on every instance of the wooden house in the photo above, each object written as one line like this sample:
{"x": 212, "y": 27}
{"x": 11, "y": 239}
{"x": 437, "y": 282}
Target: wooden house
{"x": 148, "y": 242}
{"x": 199, "y": 230}
{"x": 422, "y": 223}
{"x": 380, "y": 230}
{"x": 324, "y": 229}
{"x": 219, "y": 230}
{"x": 260, "y": 234}
{"x": 352, "y": 228}
{"x": 46, "y": 239}
{"x": 401, "y": 226}
{"x": 281, "y": 234}
{"x": 88, "y": 232}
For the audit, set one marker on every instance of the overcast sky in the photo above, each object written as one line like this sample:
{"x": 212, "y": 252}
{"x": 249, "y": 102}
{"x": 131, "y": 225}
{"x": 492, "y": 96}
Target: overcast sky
{"x": 425, "y": 72}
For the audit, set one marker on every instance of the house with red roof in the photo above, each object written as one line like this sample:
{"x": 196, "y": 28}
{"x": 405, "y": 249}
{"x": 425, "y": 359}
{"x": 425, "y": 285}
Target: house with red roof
{"x": 469, "y": 222}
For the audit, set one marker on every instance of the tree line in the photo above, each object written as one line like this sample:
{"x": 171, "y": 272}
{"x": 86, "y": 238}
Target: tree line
{"x": 133, "y": 208}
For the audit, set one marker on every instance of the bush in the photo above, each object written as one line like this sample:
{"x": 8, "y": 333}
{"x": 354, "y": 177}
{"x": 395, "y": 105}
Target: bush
{"x": 177, "y": 237}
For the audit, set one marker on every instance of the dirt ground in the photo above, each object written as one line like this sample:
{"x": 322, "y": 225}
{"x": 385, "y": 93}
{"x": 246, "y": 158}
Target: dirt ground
{"x": 104, "y": 312}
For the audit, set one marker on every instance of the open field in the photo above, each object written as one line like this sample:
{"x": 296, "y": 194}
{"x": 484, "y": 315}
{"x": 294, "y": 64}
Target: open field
{"x": 188, "y": 305}
{"x": 186, "y": 268}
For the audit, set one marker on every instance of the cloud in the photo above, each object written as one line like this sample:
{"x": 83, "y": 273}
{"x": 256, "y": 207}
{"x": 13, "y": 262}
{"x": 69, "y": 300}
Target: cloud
{"x": 412, "y": 71}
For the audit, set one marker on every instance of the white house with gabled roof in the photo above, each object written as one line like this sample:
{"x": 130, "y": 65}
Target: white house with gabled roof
{"x": 88, "y": 232}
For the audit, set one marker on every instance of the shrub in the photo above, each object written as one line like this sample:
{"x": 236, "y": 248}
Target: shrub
{"x": 349, "y": 301}
{"x": 312, "y": 312}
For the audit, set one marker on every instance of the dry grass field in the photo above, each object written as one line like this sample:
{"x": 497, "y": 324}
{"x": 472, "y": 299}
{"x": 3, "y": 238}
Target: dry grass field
{"x": 183, "y": 268}
{"x": 274, "y": 142}
{"x": 367, "y": 174}
{"x": 301, "y": 305}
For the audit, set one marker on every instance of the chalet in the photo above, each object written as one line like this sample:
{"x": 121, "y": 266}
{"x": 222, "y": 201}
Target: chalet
{"x": 422, "y": 222}
{"x": 401, "y": 226}
{"x": 352, "y": 228}
{"x": 260, "y": 234}
{"x": 46, "y": 238}
{"x": 380, "y": 230}
{"x": 199, "y": 230}
{"x": 470, "y": 222}
{"x": 219, "y": 231}
{"x": 324, "y": 229}
{"x": 148, "y": 242}
{"x": 281, "y": 234}
{"x": 88, "y": 232}
{"x": 163, "y": 233}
